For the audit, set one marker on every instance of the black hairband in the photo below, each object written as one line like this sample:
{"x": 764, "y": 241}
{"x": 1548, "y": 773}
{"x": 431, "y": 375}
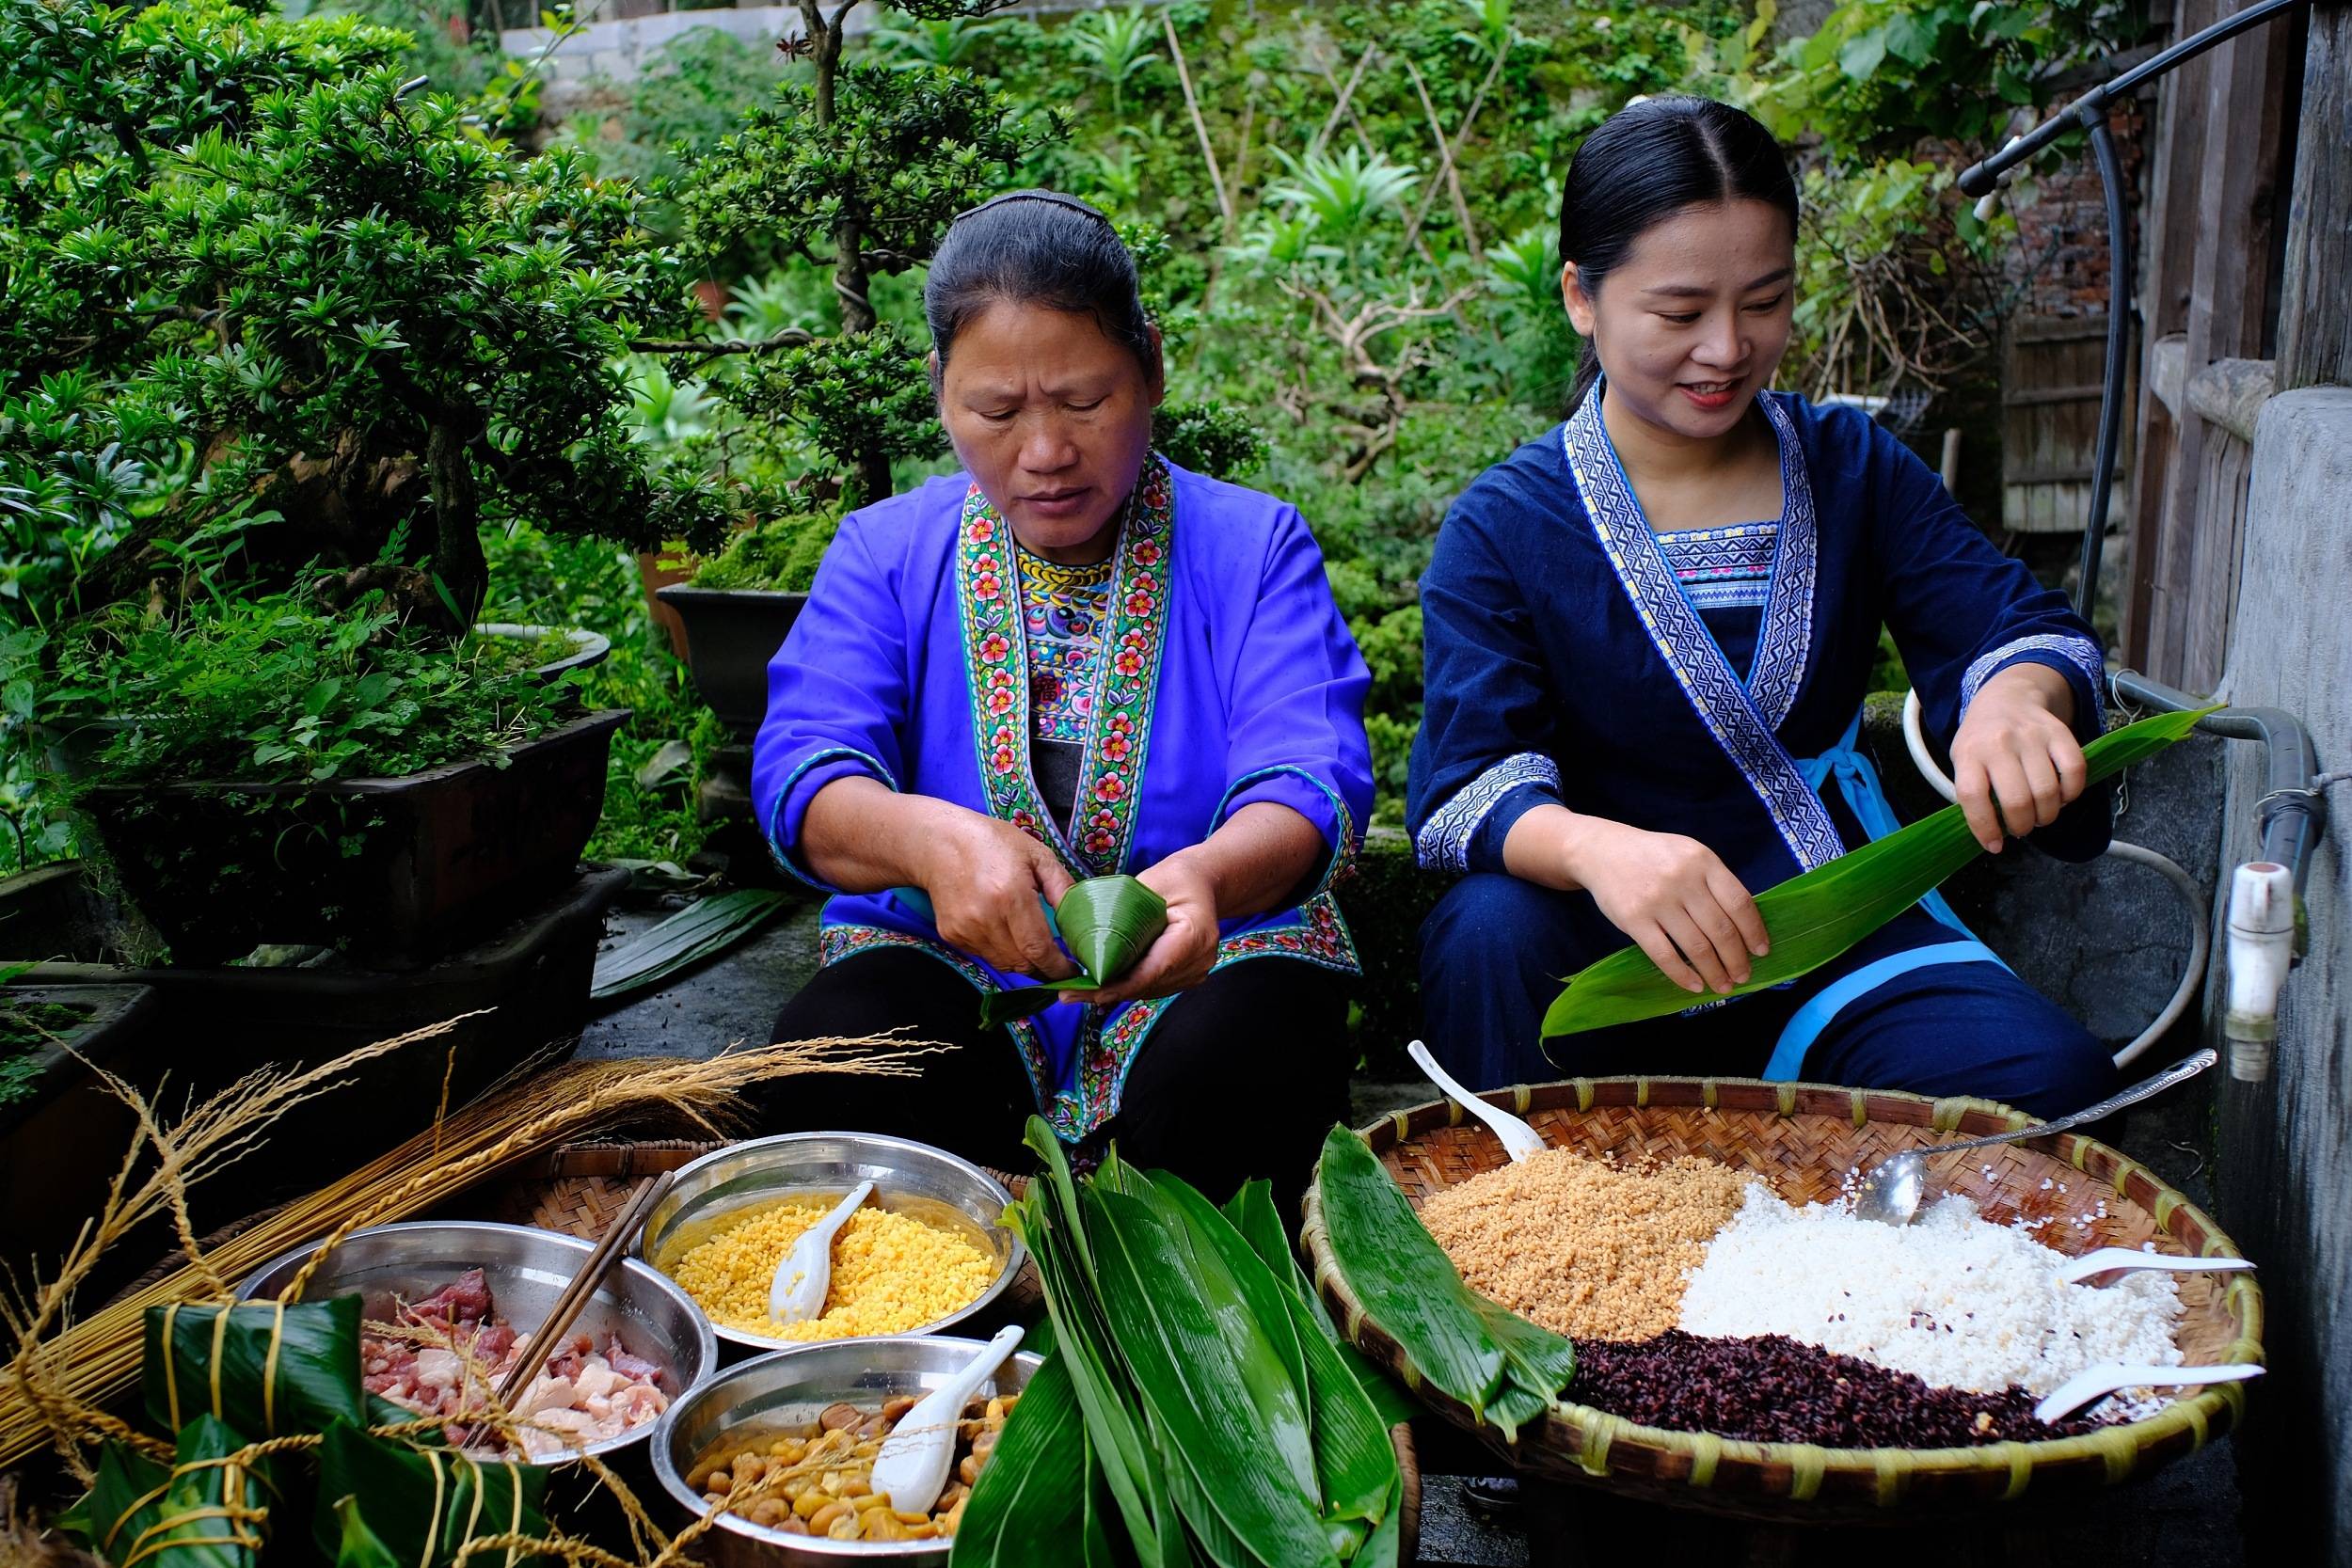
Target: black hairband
{"x": 1056, "y": 198}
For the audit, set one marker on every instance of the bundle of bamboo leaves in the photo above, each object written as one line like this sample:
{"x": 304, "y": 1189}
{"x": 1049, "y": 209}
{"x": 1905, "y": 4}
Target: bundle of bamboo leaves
{"x": 1814, "y": 917}
{"x": 1199, "y": 1405}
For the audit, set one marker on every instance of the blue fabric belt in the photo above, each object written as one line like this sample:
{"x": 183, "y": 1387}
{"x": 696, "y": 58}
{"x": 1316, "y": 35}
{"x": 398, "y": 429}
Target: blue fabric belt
{"x": 1858, "y": 782}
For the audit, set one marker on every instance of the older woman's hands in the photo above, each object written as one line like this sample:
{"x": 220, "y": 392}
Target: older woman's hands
{"x": 2015, "y": 762}
{"x": 984, "y": 878}
{"x": 1180, "y": 955}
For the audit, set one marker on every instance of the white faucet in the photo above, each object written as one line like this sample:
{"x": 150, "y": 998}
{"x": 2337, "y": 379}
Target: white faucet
{"x": 2262, "y": 950}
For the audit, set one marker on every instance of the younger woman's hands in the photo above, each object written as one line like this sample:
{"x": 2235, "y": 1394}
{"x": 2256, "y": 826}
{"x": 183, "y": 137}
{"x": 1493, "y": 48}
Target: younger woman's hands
{"x": 2015, "y": 762}
{"x": 1672, "y": 894}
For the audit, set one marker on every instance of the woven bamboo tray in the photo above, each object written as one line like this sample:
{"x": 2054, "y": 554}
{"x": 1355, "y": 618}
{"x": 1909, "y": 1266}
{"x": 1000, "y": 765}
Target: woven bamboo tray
{"x": 581, "y": 1189}
{"x": 1802, "y": 1139}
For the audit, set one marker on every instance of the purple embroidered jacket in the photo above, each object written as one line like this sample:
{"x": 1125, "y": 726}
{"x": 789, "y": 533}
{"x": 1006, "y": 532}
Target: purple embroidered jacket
{"x": 1227, "y": 677}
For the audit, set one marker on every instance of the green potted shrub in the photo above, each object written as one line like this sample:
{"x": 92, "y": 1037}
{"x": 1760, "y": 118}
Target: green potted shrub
{"x": 278, "y": 312}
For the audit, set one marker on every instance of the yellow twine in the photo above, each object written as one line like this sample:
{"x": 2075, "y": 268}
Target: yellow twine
{"x": 433, "y": 1532}
{"x": 269, "y": 1371}
{"x": 220, "y": 1338}
{"x": 171, "y": 1365}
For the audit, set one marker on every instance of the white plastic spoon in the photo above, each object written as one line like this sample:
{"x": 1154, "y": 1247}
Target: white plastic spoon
{"x": 912, "y": 1467}
{"x": 798, "y": 1292}
{"x": 2111, "y": 1264}
{"x": 2088, "y": 1387}
{"x": 1518, "y": 1139}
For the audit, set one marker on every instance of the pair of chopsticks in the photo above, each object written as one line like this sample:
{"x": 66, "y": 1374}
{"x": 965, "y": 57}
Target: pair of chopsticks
{"x": 576, "y": 1295}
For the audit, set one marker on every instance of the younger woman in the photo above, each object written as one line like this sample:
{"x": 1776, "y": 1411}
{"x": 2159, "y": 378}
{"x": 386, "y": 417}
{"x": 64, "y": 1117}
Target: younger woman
{"x": 1648, "y": 633}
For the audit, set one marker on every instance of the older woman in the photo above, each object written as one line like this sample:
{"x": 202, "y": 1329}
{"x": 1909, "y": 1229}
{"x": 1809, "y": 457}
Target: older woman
{"x": 1071, "y": 660}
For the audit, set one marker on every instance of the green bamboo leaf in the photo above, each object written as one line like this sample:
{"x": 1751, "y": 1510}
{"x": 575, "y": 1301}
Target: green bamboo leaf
{"x": 1406, "y": 1284}
{"x": 703, "y": 929}
{"x": 1821, "y": 913}
{"x": 1172, "y": 1344}
{"x": 1108, "y": 922}
{"x": 1261, "y": 1344}
{"x": 1030, "y": 1506}
{"x": 422, "y": 1502}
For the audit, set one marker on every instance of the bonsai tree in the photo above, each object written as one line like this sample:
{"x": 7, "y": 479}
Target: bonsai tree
{"x": 250, "y": 276}
{"x": 860, "y": 168}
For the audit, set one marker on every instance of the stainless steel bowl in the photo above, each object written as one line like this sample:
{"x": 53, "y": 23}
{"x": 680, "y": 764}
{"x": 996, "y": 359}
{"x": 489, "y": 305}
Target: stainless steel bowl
{"x": 526, "y": 1270}
{"x": 820, "y": 1168}
{"x": 787, "y": 1389}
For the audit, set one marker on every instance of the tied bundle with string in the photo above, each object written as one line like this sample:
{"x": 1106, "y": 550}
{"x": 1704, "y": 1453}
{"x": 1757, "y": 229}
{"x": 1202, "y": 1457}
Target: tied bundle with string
{"x": 218, "y": 1372}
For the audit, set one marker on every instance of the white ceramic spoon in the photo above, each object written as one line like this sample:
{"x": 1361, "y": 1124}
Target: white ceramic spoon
{"x": 1518, "y": 1139}
{"x": 2086, "y": 1387}
{"x": 2111, "y": 1264}
{"x": 798, "y": 1292}
{"x": 912, "y": 1467}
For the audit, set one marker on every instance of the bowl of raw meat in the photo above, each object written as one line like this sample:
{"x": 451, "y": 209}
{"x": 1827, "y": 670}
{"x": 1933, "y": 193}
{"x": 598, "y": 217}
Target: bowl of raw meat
{"x": 449, "y": 1308}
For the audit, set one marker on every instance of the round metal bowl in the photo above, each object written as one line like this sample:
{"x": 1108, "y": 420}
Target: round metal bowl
{"x": 526, "y": 1270}
{"x": 787, "y": 1389}
{"x": 820, "y": 1168}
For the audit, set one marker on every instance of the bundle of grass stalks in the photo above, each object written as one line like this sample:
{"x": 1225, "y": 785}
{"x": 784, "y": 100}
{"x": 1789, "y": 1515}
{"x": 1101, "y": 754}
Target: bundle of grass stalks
{"x": 61, "y": 1372}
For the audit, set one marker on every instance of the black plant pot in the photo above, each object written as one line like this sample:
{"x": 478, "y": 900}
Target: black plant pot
{"x": 411, "y": 866}
{"x": 66, "y": 1135}
{"x": 731, "y": 634}
{"x": 527, "y": 984}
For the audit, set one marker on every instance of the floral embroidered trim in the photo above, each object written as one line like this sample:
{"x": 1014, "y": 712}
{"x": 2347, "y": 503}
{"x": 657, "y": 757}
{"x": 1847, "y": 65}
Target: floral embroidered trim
{"x": 836, "y": 943}
{"x": 997, "y": 664}
{"x": 1724, "y": 705}
{"x": 1319, "y": 936}
{"x": 1444, "y": 841}
{"x": 1342, "y": 859}
{"x": 1063, "y": 608}
{"x": 775, "y": 825}
{"x": 2079, "y": 650}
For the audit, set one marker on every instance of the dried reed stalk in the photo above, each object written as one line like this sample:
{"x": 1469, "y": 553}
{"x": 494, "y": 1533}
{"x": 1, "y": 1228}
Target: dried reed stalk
{"x": 61, "y": 1372}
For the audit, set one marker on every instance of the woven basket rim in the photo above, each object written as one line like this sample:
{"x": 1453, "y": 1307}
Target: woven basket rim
{"x": 2202, "y": 1416}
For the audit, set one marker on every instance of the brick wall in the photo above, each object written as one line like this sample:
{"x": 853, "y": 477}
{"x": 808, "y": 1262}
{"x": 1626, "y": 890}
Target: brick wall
{"x": 2061, "y": 258}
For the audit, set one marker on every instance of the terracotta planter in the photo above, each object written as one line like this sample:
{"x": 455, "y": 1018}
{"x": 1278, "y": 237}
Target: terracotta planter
{"x": 731, "y": 634}
{"x": 656, "y": 576}
{"x": 412, "y": 867}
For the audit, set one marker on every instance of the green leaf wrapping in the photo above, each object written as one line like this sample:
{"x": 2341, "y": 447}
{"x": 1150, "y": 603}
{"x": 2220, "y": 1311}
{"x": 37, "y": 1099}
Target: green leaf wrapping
{"x": 1107, "y": 923}
{"x": 422, "y": 1502}
{"x": 359, "y": 1546}
{"x": 263, "y": 1368}
{"x": 1816, "y": 916}
{"x": 1507, "y": 1370}
{"x": 1032, "y": 1505}
{"x": 1251, "y": 1210}
{"x": 199, "y": 1512}
{"x": 1172, "y": 1344}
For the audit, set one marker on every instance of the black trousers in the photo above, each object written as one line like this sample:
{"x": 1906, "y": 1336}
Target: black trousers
{"x": 1241, "y": 1077}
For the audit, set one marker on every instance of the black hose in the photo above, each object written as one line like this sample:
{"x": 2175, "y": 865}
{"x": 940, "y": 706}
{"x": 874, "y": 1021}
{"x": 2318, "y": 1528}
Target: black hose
{"x": 2111, "y": 393}
{"x": 2292, "y": 816}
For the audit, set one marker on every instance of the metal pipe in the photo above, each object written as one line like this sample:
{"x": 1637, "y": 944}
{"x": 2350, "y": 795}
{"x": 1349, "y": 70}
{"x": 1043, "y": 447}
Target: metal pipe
{"x": 2111, "y": 390}
{"x": 2292, "y": 815}
{"x": 2089, "y": 111}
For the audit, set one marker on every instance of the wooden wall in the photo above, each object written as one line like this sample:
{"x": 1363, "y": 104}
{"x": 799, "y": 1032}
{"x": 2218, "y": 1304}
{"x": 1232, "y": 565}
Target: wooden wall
{"x": 2050, "y": 388}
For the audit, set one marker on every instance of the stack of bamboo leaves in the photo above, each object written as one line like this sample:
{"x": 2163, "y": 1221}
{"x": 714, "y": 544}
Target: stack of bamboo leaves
{"x": 1505, "y": 1368}
{"x": 1199, "y": 1405}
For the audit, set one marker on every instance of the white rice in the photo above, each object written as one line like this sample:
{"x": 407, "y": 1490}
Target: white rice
{"x": 1958, "y": 1301}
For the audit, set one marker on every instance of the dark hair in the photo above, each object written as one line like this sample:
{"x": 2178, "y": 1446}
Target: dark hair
{"x": 1647, "y": 163}
{"x": 1036, "y": 247}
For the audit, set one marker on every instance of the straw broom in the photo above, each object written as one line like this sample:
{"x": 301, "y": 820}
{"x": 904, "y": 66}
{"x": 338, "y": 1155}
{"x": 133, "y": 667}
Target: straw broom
{"x": 60, "y": 1374}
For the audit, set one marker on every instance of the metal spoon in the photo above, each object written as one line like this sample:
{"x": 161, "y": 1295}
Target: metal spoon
{"x": 2088, "y": 1388}
{"x": 1891, "y": 1195}
{"x": 1518, "y": 1139}
{"x": 911, "y": 1467}
{"x": 798, "y": 1292}
{"x": 2111, "y": 1264}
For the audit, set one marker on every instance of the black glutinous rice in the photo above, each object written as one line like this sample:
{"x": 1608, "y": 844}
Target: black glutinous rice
{"x": 1772, "y": 1390}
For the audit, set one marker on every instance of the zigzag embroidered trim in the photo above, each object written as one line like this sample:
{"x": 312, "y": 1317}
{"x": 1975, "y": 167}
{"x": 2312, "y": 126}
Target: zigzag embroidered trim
{"x": 1731, "y": 713}
{"x": 2077, "y": 651}
{"x": 1787, "y": 634}
{"x": 1444, "y": 841}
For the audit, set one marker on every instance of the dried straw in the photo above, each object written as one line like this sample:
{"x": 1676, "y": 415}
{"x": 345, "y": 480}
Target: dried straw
{"x": 60, "y": 1373}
